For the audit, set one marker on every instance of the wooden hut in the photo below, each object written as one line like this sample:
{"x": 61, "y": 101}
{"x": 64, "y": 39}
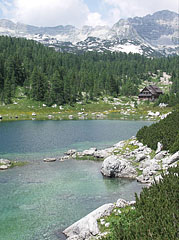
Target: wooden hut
{"x": 150, "y": 92}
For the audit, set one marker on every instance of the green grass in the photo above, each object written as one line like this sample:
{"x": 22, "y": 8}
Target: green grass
{"x": 115, "y": 216}
{"x": 128, "y": 147}
{"x": 15, "y": 164}
{"x": 152, "y": 154}
{"x": 139, "y": 172}
{"x": 18, "y": 164}
{"x": 25, "y": 107}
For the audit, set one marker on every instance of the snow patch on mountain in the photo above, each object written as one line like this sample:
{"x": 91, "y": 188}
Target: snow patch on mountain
{"x": 152, "y": 35}
{"x": 127, "y": 48}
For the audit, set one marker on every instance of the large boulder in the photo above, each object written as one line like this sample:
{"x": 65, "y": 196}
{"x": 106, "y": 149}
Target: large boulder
{"x": 114, "y": 166}
{"x": 87, "y": 227}
{"x": 160, "y": 155}
{"x": 172, "y": 159}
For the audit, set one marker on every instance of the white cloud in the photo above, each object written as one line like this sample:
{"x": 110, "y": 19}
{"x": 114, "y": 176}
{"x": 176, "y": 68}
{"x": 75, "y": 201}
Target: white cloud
{"x": 131, "y": 8}
{"x": 94, "y": 19}
{"x": 49, "y": 12}
{"x": 76, "y": 12}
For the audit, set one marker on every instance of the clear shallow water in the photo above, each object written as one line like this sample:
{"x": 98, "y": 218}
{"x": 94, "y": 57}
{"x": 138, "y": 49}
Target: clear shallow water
{"x": 39, "y": 200}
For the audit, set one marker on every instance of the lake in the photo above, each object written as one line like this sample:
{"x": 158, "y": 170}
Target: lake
{"x": 39, "y": 200}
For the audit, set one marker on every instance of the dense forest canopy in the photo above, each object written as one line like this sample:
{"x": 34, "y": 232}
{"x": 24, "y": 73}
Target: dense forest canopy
{"x": 61, "y": 78}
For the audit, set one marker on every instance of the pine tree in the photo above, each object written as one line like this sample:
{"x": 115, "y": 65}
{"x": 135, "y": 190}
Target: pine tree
{"x": 57, "y": 88}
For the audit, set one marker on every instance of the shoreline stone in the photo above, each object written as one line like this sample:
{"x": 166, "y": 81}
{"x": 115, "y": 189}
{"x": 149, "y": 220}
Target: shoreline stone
{"x": 113, "y": 166}
{"x": 5, "y": 164}
{"x": 87, "y": 227}
{"x": 129, "y": 159}
{"x": 50, "y": 159}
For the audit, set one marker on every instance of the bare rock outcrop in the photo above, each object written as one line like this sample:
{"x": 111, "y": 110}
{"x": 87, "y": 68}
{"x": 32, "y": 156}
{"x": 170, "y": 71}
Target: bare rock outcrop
{"x": 87, "y": 227}
{"x": 114, "y": 166}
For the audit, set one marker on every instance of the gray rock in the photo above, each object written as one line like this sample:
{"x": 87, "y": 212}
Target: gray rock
{"x": 87, "y": 227}
{"x": 89, "y": 152}
{"x": 102, "y": 221}
{"x": 107, "y": 224}
{"x": 173, "y": 158}
{"x": 158, "y": 178}
{"x": 4, "y": 167}
{"x": 159, "y": 147}
{"x": 119, "y": 144}
{"x": 71, "y": 152}
{"x": 50, "y": 159}
{"x": 140, "y": 157}
{"x": 121, "y": 203}
{"x": 102, "y": 153}
{"x": 144, "y": 179}
{"x": 64, "y": 158}
{"x": 5, "y": 161}
{"x": 114, "y": 166}
{"x": 160, "y": 155}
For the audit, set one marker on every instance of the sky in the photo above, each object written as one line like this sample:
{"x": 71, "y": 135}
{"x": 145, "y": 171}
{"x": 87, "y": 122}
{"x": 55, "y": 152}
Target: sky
{"x": 80, "y": 12}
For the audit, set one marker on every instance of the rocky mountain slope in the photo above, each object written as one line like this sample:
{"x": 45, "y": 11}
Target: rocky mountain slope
{"x": 152, "y": 35}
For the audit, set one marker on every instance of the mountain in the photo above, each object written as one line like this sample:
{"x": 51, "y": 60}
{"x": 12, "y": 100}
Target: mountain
{"x": 152, "y": 35}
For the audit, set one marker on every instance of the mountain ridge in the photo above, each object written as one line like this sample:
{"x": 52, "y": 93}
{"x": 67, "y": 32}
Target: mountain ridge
{"x": 151, "y": 35}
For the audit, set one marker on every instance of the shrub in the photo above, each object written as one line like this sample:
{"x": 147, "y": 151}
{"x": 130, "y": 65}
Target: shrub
{"x": 155, "y": 215}
{"x": 164, "y": 131}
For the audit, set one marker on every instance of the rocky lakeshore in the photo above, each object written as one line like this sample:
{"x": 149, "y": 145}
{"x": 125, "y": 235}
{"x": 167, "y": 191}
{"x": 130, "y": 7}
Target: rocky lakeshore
{"x": 129, "y": 159}
{"x": 126, "y": 159}
{"x": 6, "y": 164}
{"x": 89, "y": 227}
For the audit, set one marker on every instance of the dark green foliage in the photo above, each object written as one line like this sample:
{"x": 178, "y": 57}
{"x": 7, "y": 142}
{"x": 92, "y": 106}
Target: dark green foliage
{"x": 155, "y": 216}
{"x": 31, "y": 65}
{"x": 165, "y": 131}
{"x": 175, "y": 147}
{"x": 172, "y": 99}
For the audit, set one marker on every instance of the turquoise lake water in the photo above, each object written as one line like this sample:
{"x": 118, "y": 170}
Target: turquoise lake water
{"x": 39, "y": 200}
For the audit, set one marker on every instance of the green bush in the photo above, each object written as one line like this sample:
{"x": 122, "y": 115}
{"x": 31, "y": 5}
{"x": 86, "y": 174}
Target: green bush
{"x": 155, "y": 216}
{"x": 164, "y": 131}
{"x": 175, "y": 147}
